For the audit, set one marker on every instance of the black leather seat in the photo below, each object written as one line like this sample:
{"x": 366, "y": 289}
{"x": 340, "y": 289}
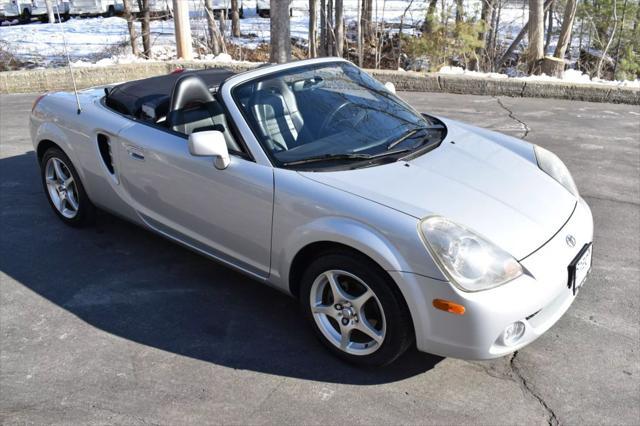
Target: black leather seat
{"x": 194, "y": 109}
{"x": 275, "y": 109}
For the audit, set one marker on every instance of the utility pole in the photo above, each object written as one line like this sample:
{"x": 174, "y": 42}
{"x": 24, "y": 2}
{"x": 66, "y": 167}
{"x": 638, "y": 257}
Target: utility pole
{"x": 183, "y": 29}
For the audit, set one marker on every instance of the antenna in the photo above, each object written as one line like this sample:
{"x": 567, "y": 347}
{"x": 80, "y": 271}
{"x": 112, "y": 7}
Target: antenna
{"x": 66, "y": 52}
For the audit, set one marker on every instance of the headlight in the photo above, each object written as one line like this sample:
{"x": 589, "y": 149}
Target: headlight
{"x": 471, "y": 262}
{"x": 554, "y": 167}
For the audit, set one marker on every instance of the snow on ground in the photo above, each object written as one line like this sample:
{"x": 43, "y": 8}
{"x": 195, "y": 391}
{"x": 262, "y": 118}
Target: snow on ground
{"x": 570, "y": 76}
{"x": 93, "y": 39}
{"x": 104, "y": 41}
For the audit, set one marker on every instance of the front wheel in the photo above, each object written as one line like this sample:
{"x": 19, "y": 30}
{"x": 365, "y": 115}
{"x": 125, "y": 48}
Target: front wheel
{"x": 63, "y": 188}
{"x": 355, "y": 309}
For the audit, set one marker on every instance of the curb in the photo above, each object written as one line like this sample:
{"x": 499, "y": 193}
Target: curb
{"x": 57, "y": 79}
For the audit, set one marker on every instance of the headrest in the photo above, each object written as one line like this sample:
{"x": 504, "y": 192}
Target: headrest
{"x": 189, "y": 89}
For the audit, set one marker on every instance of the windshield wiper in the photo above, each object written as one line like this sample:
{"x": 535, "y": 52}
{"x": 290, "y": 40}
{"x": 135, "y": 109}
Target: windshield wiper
{"x": 411, "y": 133}
{"x": 328, "y": 157}
{"x": 347, "y": 157}
{"x": 402, "y": 138}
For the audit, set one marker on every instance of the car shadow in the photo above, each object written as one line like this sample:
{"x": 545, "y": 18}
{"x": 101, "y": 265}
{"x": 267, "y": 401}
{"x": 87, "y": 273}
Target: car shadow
{"x": 129, "y": 282}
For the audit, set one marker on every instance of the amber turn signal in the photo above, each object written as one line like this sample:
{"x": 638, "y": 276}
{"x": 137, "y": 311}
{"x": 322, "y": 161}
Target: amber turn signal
{"x": 445, "y": 305}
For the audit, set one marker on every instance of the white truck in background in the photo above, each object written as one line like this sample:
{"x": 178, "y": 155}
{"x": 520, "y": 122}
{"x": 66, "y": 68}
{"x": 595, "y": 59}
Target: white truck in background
{"x": 263, "y": 8}
{"x": 26, "y": 10}
{"x": 95, "y": 7}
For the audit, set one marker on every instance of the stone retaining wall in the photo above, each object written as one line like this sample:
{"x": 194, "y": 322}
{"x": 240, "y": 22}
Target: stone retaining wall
{"x": 59, "y": 79}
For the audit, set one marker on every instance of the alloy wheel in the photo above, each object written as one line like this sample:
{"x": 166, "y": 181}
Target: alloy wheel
{"x": 61, "y": 187}
{"x": 347, "y": 312}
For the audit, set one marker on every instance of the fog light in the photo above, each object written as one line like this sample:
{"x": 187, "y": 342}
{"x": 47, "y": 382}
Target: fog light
{"x": 513, "y": 333}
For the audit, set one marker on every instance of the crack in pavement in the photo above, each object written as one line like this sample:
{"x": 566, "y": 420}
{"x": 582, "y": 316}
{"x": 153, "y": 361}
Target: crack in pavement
{"x": 524, "y": 384}
{"x": 524, "y": 125}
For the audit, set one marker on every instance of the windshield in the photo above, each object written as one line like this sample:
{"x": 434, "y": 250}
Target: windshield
{"x": 330, "y": 115}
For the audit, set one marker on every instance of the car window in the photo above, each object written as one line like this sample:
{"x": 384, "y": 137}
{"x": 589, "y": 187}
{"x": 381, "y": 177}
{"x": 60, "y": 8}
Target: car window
{"x": 330, "y": 114}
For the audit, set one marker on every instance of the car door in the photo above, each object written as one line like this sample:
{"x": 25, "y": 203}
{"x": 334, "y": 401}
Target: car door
{"x": 226, "y": 213}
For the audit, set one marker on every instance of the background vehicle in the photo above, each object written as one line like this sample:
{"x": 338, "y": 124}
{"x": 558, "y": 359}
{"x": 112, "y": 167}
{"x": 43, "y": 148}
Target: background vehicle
{"x": 263, "y": 8}
{"x": 25, "y": 10}
{"x": 95, "y": 7}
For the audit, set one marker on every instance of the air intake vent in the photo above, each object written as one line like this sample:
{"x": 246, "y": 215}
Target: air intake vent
{"x": 104, "y": 145}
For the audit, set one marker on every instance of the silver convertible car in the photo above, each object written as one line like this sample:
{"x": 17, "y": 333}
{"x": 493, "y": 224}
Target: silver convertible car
{"x": 390, "y": 226}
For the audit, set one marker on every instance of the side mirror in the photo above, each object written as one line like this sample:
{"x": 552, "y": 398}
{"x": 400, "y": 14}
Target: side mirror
{"x": 210, "y": 143}
{"x": 390, "y": 87}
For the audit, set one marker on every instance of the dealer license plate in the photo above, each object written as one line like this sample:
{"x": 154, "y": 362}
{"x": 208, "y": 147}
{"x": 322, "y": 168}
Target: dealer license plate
{"x": 579, "y": 268}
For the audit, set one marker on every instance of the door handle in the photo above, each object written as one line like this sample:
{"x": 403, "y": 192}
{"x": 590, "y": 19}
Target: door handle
{"x": 135, "y": 152}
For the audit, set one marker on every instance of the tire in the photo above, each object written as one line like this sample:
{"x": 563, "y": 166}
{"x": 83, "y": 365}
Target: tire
{"x": 384, "y": 313}
{"x": 72, "y": 204}
{"x": 25, "y": 16}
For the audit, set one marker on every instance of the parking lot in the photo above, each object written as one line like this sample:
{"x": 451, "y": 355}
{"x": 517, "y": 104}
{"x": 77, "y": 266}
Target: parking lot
{"x": 114, "y": 324}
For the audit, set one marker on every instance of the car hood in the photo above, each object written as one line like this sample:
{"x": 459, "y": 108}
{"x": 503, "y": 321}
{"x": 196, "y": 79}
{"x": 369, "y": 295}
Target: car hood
{"x": 485, "y": 181}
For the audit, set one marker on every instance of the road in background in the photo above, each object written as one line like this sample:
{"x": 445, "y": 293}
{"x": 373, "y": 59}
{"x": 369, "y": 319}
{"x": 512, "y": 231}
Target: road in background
{"x": 113, "y": 324}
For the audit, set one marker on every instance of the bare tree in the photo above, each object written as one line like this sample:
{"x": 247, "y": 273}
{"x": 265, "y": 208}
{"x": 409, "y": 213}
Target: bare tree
{"x": 222, "y": 20}
{"x": 280, "y": 31}
{"x": 459, "y": 11}
{"x": 565, "y": 30}
{"x": 235, "y": 18}
{"x": 143, "y": 5}
{"x": 366, "y": 20}
{"x": 339, "y": 27}
{"x": 606, "y": 47}
{"x": 313, "y": 30}
{"x": 215, "y": 40}
{"x": 430, "y": 18}
{"x": 536, "y": 35}
{"x": 359, "y": 34}
{"x": 133, "y": 36}
{"x": 323, "y": 28}
{"x": 327, "y": 34}
{"x": 549, "y": 27}
{"x": 404, "y": 14}
{"x": 517, "y": 40}
{"x": 50, "y": 15}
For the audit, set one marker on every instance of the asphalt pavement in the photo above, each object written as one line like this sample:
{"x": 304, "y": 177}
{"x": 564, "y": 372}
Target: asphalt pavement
{"x": 113, "y": 324}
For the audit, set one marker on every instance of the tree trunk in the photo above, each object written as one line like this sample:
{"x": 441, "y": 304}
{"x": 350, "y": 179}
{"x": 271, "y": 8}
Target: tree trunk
{"x": 518, "y": 39}
{"x": 549, "y": 27}
{"x": 235, "y": 18}
{"x": 133, "y": 36}
{"x": 359, "y": 34}
{"x": 552, "y": 66}
{"x": 222, "y": 19}
{"x": 143, "y": 5}
{"x": 331, "y": 36}
{"x": 606, "y": 48}
{"x": 323, "y": 28}
{"x": 536, "y": 35}
{"x": 459, "y": 11}
{"x": 567, "y": 26}
{"x": 339, "y": 27}
{"x": 430, "y": 18}
{"x": 214, "y": 37}
{"x": 280, "y": 31}
{"x": 366, "y": 20}
{"x": 313, "y": 30}
{"x": 50, "y": 15}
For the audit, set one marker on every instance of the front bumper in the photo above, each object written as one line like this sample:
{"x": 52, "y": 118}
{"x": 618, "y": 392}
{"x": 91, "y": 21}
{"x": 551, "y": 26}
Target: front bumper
{"x": 538, "y": 299}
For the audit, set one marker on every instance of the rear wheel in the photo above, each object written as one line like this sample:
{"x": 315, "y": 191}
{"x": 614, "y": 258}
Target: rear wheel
{"x": 64, "y": 191}
{"x": 26, "y": 15}
{"x": 355, "y": 309}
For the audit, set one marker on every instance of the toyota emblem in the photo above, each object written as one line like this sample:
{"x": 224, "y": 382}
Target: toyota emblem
{"x": 571, "y": 240}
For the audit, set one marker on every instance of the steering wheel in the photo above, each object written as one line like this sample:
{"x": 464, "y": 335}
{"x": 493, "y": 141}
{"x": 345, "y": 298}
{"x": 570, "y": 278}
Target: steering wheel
{"x": 354, "y": 121}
